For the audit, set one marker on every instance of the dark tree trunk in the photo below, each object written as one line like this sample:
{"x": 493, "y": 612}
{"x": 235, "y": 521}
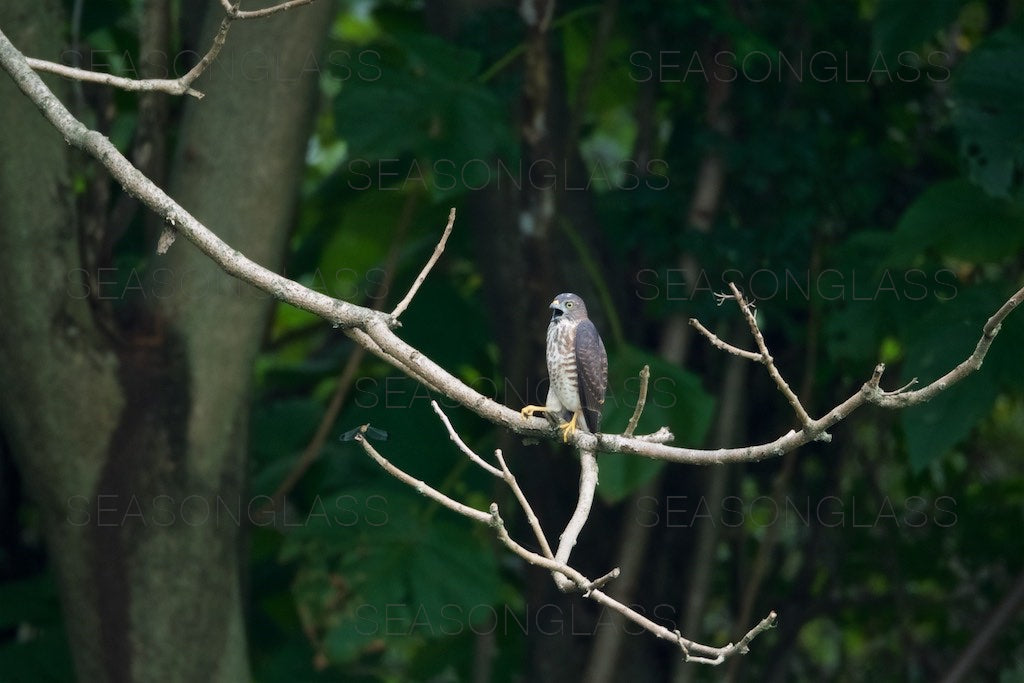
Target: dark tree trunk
{"x": 130, "y": 429}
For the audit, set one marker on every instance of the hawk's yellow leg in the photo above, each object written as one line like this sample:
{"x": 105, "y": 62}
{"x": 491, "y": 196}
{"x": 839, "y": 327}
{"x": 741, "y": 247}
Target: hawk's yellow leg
{"x": 569, "y": 427}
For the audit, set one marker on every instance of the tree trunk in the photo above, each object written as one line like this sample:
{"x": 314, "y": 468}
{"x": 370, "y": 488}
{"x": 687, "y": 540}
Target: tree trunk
{"x": 130, "y": 431}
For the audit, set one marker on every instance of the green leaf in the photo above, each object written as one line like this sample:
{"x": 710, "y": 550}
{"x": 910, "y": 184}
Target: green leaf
{"x": 957, "y": 219}
{"x": 942, "y": 339}
{"x": 406, "y": 568}
{"x": 675, "y": 398}
{"x": 425, "y": 122}
{"x": 425, "y": 97}
{"x": 452, "y": 576}
{"x": 988, "y": 97}
{"x": 934, "y": 428}
{"x": 346, "y": 641}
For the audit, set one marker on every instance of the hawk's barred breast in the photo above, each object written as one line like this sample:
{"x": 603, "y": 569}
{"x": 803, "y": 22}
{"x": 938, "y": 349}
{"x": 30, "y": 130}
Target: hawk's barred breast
{"x": 561, "y": 358}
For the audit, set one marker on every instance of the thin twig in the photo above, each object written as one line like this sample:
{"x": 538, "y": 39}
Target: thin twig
{"x": 211, "y": 54}
{"x": 588, "y": 481}
{"x": 504, "y": 473}
{"x": 766, "y": 358}
{"x": 723, "y": 345}
{"x": 904, "y": 388}
{"x": 641, "y": 401}
{"x": 404, "y": 303}
{"x": 531, "y": 516}
{"x": 235, "y": 13}
{"x": 765, "y": 624}
{"x": 902, "y": 398}
{"x": 422, "y": 487}
{"x": 171, "y": 86}
{"x": 604, "y": 580}
{"x": 454, "y": 436}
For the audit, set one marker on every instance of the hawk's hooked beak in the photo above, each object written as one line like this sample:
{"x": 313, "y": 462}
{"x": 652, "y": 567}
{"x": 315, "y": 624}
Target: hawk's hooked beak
{"x": 558, "y": 311}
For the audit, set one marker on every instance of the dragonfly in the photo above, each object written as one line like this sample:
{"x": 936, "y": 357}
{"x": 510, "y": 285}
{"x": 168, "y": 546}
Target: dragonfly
{"x": 367, "y": 431}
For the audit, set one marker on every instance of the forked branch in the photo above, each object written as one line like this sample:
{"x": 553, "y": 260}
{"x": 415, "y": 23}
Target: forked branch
{"x": 171, "y": 86}
{"x": 559, "y": 567}
{"x": 762, "y": 356}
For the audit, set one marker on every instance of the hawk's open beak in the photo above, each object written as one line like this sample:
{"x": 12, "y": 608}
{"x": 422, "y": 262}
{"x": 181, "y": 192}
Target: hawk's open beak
{"x": 558, "y": 310}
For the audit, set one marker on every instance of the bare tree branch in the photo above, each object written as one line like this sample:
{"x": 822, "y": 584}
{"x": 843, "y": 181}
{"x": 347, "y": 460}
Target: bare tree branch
{"x": 211, "y": 54}
{"x": 454, "y": 436}
{"x": 692, "y": 650}
{"x": 235, "y": 13}
{"x": 421, "y": 486}
{"x": 584, "y": 502}
{"x": 373, "y": 329}
{"x": 504, "y": 473}
{"x": 766, "y": 358}
{"x": 723, "y": 345}
{"x": 171, "y": 86}
{"x": 641, "y": 401}
{"x": 901, "y": 398}
{"x": 367, "y": 342}
{"x": 404, "y": 303}
{"x": 531, "y": 516}
{"x": 762, "y": 357}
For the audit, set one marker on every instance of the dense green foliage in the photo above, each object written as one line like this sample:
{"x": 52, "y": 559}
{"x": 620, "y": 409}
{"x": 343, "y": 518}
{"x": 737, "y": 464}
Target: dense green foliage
{"x": 873, "y": 205}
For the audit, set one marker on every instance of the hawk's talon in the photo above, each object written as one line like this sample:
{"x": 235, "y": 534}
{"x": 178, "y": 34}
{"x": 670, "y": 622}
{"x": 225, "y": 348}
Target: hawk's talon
{"x": 528, "y": 411}
{"x": 566, "y": 429}
{"x": 569, "y": 427}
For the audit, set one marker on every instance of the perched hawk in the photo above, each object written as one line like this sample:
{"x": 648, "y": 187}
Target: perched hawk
{"x": 577, "y": 369}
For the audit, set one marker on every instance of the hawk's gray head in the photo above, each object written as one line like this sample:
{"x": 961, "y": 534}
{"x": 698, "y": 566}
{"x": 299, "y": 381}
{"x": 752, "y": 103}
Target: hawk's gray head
{"x": 569, "y": 306}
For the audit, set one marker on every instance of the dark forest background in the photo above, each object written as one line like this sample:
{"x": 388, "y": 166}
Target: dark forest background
{"x": 857, "y": 168}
